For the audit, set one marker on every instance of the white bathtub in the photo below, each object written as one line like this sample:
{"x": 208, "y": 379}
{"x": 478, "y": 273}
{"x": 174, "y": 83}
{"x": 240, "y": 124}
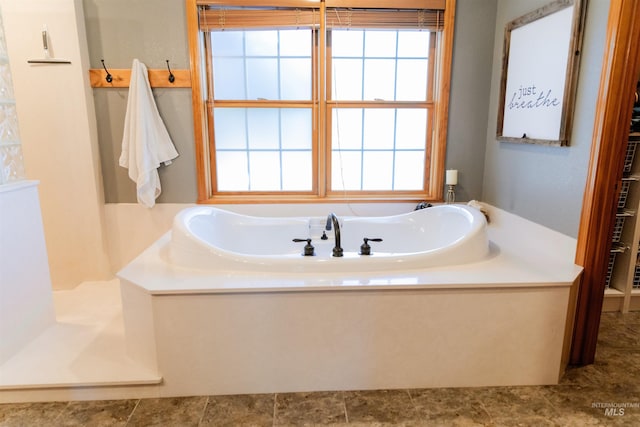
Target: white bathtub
{"x": 213, "y": 239}
{"x": 228, "y": 329}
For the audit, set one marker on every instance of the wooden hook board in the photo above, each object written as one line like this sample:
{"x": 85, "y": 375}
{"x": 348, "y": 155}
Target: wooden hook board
{"x": 121, "y": 78}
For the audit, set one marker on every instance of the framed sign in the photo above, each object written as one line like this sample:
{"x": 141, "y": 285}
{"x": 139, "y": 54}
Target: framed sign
{"x": 539, "y": 74}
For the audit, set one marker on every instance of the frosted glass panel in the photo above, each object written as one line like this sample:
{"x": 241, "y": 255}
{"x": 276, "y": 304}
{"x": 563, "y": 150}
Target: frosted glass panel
{"x": 412, "y": 80}
{"x": 262, "y": 78}
{"x": 296, "y": 128}
{"x": 264, "y": 171}
{"x": 3, "y": 43}
{"x": 347, "y": 128}
{"x": 227, "y": 43}
{"x": 262, "y": 43}
{"x": 377, "y": 170}
{"x": 228, "y": 78}
{"x": 409, "y": 170}
{"x": 8, "y": 124}
{"x": 295, "y": 43}
{"x": 413, "y": 44}
{"x": 379, "y": 127}
{"x": 379, "y": 79}
{"x": 263, "y": 129}
{"x": 346, "y": 168}
{"x": 232, "y": 171}
{"x": 230, "y": 128}
{"x": 394, "y": 65}
{"x": 411, "y": 128}
{"x": 11, "y": 163}
{"x": 273, "y": 65}
{"x": 391, "y": 154}
{"x": 347, "y": 43}
{"x": 264, "y": 149}
{"x": 347, "y": 79}
{"x": 295, "y": 78}
{"x": 380, "y": 44}
{"x": 296, "y": 171}
{"x": 6, "y": 85}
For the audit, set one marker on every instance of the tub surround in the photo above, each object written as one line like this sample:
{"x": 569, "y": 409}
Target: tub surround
{"x": 26, "y": 304}
{"x": 250, "y": 333}
{"x": 501, "y": 321}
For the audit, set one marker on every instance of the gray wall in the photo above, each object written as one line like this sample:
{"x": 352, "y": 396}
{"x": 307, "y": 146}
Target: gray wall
{"x": 545, "y": 184}
{"x": 155, "y": 30}
{"x": 470, "y": 90}
{"x": 152, "y": 31}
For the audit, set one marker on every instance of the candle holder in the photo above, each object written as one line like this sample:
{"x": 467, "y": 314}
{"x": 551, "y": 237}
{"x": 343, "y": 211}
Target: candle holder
{"x": 451, "y": 194}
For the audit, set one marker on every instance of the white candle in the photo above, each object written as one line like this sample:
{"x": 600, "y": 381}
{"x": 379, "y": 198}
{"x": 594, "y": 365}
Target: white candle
{"x": 451, "y": 177}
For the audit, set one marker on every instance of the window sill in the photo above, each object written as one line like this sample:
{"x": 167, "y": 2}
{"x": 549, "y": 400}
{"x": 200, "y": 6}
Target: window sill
{"x": 277, "y": 199}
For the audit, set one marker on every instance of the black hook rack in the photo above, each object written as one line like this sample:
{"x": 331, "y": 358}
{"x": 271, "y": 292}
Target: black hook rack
{"x": 172, "y": 78}
{"x": 109, "y": 77}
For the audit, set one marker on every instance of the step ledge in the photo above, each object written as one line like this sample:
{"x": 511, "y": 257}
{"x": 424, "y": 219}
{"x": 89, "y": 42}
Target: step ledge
{"x": 83, "y": 384}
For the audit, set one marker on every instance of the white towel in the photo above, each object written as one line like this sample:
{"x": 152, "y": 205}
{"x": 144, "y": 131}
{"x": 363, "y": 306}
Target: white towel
{"x": 145, "y": 143}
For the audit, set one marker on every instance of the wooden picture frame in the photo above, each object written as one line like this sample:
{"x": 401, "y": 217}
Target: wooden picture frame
{"x": 539, "y": 74}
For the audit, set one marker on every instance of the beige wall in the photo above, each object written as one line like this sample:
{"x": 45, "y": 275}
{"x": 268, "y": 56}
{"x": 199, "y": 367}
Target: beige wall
{"x": 57, "y": 127}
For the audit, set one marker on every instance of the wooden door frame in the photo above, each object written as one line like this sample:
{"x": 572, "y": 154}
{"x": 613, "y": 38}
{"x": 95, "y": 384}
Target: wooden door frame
{"x": 620, "y": 68}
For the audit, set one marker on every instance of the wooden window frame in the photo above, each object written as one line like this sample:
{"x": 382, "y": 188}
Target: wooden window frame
{"x": 203, "y": 118}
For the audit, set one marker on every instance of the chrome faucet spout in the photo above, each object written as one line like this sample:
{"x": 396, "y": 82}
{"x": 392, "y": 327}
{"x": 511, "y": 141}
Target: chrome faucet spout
{"x": 332, "y": 220}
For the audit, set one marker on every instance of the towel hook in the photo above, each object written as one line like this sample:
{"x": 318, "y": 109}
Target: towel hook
{"x": 172, "y": 78}
{"x": 109, "y": 77}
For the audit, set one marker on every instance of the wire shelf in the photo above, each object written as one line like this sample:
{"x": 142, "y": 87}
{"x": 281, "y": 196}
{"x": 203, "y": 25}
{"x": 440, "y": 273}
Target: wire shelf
{"x": 630, "y": 155}
{"x": 612, "y": 261}
{"x": 624, "y": 192}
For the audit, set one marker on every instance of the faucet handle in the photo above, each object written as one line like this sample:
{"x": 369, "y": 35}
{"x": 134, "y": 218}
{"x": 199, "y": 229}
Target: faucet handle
{"x": 309, "y": 250}
{"x": 365, "y": 248}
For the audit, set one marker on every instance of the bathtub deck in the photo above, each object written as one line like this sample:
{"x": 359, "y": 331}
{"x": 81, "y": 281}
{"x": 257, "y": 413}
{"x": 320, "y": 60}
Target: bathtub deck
{"x": 502, "y": 321}
{"x": 81, "y": 356}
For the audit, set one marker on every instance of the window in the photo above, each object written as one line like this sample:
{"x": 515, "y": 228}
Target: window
{"x": 311, "y": 100}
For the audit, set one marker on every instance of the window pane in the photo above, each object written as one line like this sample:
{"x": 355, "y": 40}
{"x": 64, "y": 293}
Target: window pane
{"x": 347, "y": 43}
{"x": 263, "y": 128}
{"x": 296, "y": 170}
{"x": 391, "y": 155}
{"x": 379, "y": 79}
{"x": 262, "y": 43}
{"x": 296, "y": 128}
{"x": 295, "y": 78}
{"x": 346, "y": 170}
{"x": 273, "y": 65}
{"x": 230, "y": 128}
{"x": 394, "y": 65}
{"x": 347, "y": 128}
{"x": 227, "y": 43}
{"x": 347, "y": 79}
{"x": 412, "y": 80}
{"x": 276, "y": 155}
{"x": 295, "y": 43}
{"x": 411, "y": 128}
{"x": 262, "y": 78}
{"x": 228, "y": 78}
{"x": 264, "y": 171}
{"x": 377, "y": 170}
{"x": 381, "y": 44}
{"x": 379, "y": 127}
{"x": 413, "y": 44}
{"x": 409, "y": 170}
{"x": 232, "y": 171}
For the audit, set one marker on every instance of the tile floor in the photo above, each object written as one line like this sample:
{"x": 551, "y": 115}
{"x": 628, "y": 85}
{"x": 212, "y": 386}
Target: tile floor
{"x": 580, "y": 400}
